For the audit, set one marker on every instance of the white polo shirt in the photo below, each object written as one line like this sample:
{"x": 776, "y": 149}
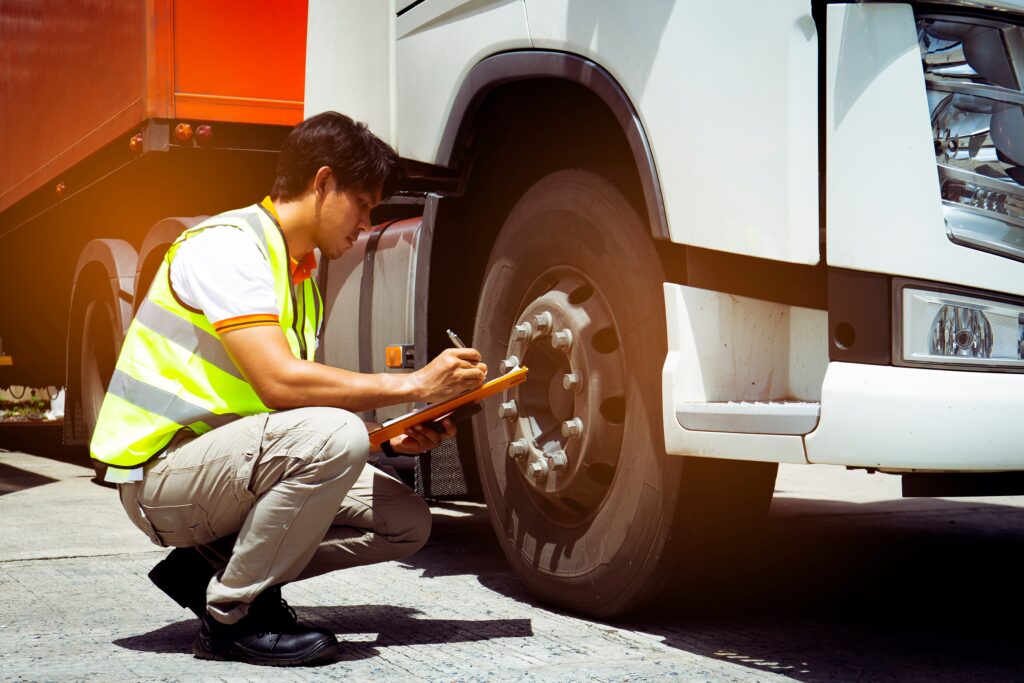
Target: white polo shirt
{"x": 223, "y": 274}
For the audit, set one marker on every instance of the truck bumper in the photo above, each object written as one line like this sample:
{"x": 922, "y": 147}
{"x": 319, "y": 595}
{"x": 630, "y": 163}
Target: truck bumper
{"x": 919, "y": 419}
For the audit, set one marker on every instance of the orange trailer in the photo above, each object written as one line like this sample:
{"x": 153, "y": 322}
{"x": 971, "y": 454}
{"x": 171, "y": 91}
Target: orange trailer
{"x": 76, "y": 76}
{"x": 114, "y": 116}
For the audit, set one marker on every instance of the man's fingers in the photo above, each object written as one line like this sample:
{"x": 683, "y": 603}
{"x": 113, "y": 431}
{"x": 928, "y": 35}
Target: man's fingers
{"x": 467, "y": 354}
{"x": 470, "y": 377}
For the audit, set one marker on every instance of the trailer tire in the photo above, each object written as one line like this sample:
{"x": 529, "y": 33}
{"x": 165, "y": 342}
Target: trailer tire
{"x": 615, "y": 523}
{"x": 101, "y": 341}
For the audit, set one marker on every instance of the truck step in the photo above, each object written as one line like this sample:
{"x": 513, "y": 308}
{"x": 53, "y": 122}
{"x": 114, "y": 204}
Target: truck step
{"x": 750, "y": 417}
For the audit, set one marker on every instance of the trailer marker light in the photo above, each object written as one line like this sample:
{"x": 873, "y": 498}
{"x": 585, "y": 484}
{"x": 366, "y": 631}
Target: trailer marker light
{"x": 61, "y": 190}
{"x": 183, "y": 132}
{"x": 135, "y": 144}
{"x": 204, "y": 134}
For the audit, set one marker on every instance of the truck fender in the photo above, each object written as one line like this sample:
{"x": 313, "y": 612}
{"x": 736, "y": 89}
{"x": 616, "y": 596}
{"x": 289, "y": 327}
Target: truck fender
{"x": 521, "y": 65}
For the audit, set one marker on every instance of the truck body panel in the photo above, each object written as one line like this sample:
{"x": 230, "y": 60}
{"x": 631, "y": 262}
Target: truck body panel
{"x": 648, "y": 51}
{"x": 75, "y": 85}
{"x": 731, "y": 122}
{"x": 437, "y": 43}
{"x": 351, "y": 62}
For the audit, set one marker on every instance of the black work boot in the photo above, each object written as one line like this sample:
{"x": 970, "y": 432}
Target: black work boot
{"x": 184, "y": 575}
{"x": 269, "y": 634}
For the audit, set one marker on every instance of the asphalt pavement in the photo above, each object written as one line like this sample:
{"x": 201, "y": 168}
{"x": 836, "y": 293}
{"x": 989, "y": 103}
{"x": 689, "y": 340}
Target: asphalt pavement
{"x": 849, "y": 582}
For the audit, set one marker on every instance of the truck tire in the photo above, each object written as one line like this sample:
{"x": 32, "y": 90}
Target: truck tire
{"x": 101, "y": 341}
{"x": 592, "y": 514}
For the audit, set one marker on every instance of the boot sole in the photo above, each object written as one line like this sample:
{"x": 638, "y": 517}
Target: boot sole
{"x": 321, "y": 653}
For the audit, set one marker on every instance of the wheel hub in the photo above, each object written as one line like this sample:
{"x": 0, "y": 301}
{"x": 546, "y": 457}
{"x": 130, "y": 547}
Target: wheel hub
{"x": 564, "y": 424}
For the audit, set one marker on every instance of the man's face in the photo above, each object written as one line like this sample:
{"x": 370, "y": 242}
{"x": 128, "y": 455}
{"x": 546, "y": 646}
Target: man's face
{"x": 343, "y": 214}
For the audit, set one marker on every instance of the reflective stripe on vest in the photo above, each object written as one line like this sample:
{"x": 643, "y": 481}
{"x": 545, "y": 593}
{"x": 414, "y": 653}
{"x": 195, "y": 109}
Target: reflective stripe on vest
{"x": 174, "y": 372}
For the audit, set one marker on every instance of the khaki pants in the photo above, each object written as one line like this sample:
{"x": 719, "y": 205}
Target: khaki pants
{"x": 273, "y": 498}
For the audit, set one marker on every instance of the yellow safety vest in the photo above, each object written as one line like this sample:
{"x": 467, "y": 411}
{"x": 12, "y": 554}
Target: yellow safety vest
{"x": 173, "y": 371}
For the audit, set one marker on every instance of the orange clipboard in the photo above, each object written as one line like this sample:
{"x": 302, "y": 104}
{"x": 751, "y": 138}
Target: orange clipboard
{"x": 398, "y": 425}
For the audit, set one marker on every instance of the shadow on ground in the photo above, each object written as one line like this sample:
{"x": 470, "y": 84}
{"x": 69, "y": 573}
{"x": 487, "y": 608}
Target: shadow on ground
{"x": 44, "y": 439}
{"x": 360, "y": 630}
{"x": 14, "y": 479}
{"x": 909, "y": 590}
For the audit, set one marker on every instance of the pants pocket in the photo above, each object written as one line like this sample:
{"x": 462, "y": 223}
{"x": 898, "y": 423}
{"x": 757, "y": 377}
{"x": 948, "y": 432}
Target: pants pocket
{"x": 179, "y": 525}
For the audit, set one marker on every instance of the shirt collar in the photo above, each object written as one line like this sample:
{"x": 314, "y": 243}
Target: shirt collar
{"x": 300, "y": 270}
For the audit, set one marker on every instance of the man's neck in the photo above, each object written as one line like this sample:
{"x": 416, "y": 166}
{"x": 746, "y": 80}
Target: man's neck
{"x": 296, "y": 223}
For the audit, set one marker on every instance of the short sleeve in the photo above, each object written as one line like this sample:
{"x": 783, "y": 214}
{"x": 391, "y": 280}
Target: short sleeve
{"x": 222, "y": 273}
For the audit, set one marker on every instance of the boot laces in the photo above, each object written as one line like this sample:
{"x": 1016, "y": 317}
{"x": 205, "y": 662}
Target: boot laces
{"x": 273, "y": 613}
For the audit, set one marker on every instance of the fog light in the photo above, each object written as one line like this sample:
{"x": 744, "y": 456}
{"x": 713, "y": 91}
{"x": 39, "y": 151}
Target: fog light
{"x": 947, "y": 328}
{"x": 961, "y": 331}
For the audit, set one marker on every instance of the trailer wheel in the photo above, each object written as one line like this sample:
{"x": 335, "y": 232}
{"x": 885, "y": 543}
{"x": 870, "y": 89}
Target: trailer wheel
{"x": 100, "y": 344}
{"x": 588, "y": 508}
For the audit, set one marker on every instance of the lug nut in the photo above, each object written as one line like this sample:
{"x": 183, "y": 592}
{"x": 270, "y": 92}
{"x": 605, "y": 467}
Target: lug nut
{"x": 522, "y": 331}
{"x": 571, "y": 382}
{"x": 538, "y": 469}
{"x": 562, "y": 340}
{"x": 572, "y": 428}
{"x": 558, "y": 460}
{"x": 508, "y": 364}
{"x": 543, "y": 322}
{"x": 519, "y": 448}
{"x": 508, "y": 411}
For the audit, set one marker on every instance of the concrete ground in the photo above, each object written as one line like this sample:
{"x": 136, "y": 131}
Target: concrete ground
{"x": 849, "y": 583}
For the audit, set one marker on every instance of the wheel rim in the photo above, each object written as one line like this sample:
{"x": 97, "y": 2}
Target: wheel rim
{"x": 564, "y": 424}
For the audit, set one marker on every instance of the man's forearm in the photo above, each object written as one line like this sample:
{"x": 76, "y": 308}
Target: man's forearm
{"x": 303, "y": 383}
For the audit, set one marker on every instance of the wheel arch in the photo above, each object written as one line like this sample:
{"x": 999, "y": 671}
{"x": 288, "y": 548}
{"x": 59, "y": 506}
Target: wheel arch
{"x": 470, "y": 114}
{"x": 517, "y": 117}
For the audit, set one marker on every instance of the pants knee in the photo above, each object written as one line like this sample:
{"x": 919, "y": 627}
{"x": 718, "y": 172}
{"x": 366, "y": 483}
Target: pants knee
{"x": 347, "y": 442}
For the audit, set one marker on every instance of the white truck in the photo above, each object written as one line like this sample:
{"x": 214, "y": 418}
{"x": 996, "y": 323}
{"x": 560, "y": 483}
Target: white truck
{"x": 721, "y": 235}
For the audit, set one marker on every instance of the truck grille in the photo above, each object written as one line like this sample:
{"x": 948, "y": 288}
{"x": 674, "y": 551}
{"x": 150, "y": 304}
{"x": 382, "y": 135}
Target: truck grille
{"x": 974, "y": 71}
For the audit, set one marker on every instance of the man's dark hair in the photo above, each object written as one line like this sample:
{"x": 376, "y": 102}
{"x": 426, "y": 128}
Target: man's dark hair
{"x": 358, "y": 158}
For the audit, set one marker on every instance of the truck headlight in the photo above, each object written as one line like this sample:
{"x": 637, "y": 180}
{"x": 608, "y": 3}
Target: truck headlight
{"x": 974, "y": 73}
{"x": 952, "y": 328}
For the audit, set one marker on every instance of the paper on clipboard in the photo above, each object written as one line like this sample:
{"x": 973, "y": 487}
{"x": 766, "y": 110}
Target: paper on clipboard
{"x": 398, "y": 425}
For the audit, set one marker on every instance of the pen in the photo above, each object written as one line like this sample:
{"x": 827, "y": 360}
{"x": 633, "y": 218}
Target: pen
{"x": 455, "y": 339}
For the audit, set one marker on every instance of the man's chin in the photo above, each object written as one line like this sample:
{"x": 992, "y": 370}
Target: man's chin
{"x": 336, "y": 251}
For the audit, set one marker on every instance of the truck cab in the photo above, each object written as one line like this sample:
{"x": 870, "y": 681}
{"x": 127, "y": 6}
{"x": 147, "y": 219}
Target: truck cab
{"x": 722, "y": 236}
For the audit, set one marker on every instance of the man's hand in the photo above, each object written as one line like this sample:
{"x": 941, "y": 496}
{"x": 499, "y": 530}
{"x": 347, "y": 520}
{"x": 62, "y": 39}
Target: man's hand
{"x": 454, "y": 372}
{"x": 420, "y": 438}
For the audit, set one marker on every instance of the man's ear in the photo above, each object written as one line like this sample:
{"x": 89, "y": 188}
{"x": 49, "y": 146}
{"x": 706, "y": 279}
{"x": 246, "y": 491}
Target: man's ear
{"x": 323, "y": 182}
